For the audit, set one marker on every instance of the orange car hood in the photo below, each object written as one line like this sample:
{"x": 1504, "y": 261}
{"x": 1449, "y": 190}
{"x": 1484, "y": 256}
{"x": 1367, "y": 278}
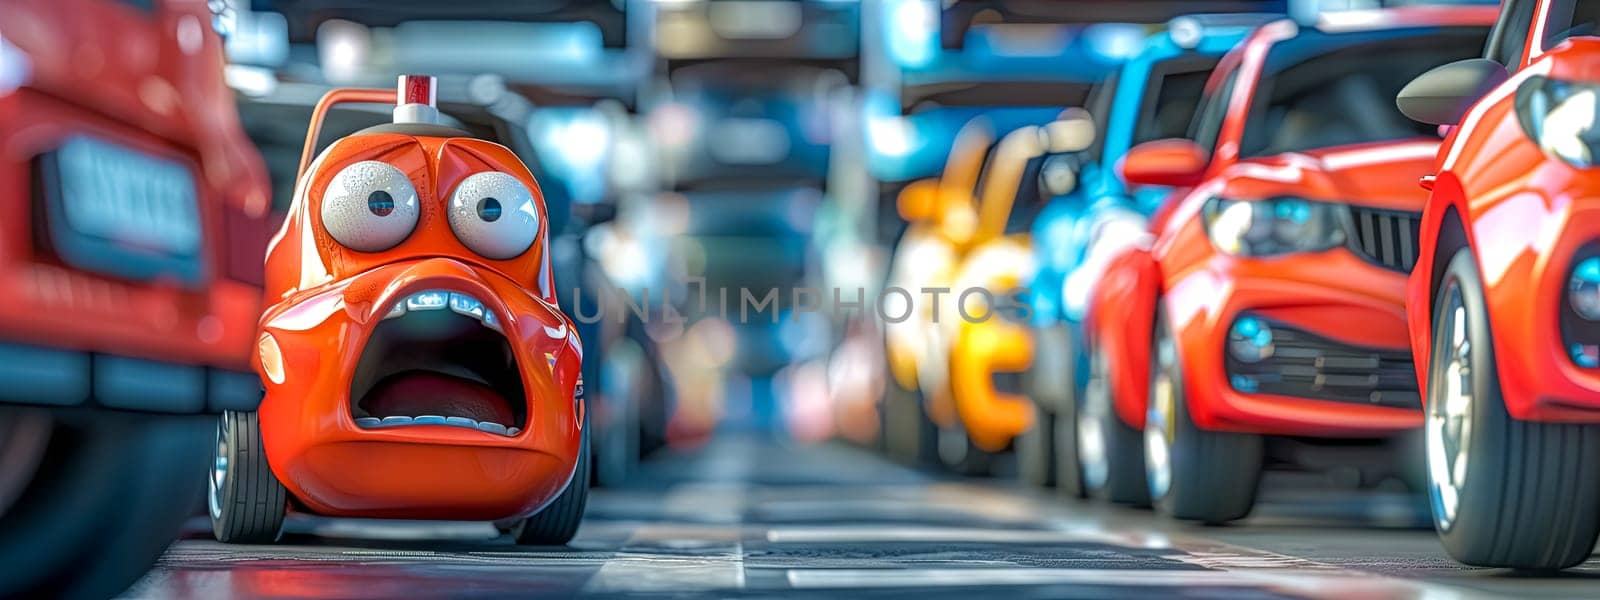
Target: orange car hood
{"x": 1380, "y": 175}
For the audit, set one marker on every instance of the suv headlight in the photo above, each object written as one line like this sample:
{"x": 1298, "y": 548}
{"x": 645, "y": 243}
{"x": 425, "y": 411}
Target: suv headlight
{"x": 1273, "y": 227}
{"x": 1560, "y": 117}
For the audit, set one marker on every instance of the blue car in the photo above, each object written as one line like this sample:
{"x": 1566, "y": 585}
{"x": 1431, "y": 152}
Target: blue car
{"x": 1153, "y": 96}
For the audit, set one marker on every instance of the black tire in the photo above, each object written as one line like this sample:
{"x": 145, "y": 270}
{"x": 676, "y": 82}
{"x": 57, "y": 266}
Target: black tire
{"x": 961, "y": 456}
{"x": 1036, "y": 461}
{"x": 1208, "y": 476}
{"x": 557, "y": 522}
{"x": 1108, "y": 453}
{"x": 909, "y": 436}
{"x": 110, "y": 493}
{"x": 1529, "y": 497}
{"x": 245, "y": 500}
{"x": 1049, "y": 385}
{"x": 1069, "y": 478}
{"x": 623, "y": 380}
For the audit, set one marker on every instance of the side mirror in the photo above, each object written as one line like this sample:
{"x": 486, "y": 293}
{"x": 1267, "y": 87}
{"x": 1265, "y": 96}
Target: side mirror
{"x": 1174, "y": 162}
{"x": 1442, "y": 95}
{"x": 919, "y": 201}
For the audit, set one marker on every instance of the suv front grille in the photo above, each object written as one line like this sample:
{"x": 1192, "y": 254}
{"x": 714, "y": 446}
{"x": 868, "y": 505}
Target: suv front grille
{"x": 1386, "y": 237}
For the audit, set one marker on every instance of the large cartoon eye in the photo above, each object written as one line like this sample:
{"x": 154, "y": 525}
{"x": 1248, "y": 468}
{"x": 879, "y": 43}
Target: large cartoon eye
{"x": 494, "y": 215}
{"x": 370, "y": 206}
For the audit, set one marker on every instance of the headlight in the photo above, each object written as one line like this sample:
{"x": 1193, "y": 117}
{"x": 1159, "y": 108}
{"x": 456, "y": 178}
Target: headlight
{"x": 1560, "y": 117}
{"x": 1273, "y": 227}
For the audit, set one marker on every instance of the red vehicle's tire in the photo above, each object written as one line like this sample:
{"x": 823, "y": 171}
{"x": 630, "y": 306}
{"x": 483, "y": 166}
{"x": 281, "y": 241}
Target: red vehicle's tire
{"x": 1193, "y": 474}
{"x": 557, "y": 522}
{"x": 1108, "y": 452}
{"x": 1504, "y": 492}
{"x": 109, "y": 492}
{"x": 245, "y": 500}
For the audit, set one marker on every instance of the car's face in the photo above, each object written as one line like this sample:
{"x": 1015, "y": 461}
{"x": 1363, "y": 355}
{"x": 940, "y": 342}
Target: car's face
{"x": 413, "y": 309}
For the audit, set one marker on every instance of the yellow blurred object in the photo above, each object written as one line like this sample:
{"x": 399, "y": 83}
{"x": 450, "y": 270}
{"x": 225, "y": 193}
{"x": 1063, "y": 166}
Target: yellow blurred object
{"x": 926, "y": 258}
{"x": 988, "y": 344}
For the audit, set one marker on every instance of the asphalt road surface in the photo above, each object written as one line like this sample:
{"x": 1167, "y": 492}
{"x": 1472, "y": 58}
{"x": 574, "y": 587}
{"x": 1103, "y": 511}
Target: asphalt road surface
{"x": 748, "y": 518}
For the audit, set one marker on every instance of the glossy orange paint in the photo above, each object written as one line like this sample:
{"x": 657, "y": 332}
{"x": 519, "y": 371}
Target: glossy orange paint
{"x": 1523, "y": 215}
{"x": 151, "y": 82}
{"x": 1201, "y": 290}
{"x": 325, "y": 300}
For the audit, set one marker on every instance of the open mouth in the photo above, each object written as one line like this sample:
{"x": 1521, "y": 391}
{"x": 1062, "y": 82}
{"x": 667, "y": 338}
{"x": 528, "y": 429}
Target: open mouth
{"x": 439, "y": 358}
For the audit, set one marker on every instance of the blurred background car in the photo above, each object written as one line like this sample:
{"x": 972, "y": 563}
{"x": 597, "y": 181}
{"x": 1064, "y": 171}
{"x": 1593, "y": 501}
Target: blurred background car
{"x": 1295, "y": 217}
{"x": 137, "y": 212}
{"x": 1152, "y": 96}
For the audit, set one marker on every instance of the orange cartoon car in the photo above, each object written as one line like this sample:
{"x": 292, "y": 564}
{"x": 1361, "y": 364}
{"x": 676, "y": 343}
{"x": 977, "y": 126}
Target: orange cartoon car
{"x": 414, "y": 360}
{"x": 1504, "y": 304}
{"x": 1269, "y": 310}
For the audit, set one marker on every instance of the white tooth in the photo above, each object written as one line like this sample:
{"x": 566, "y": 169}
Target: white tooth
{"x": 368, "y": 422}
{"x": 466, "y": 305}
{"x": 492, "y": 428}
{"x": 429, "y": 300}
{"x": 428, "y": 420}
{"x": 513, "y": 431}
{"x": 491, "y": 321}
{"x": 399, "y": 310}
{"x": 461, "y": 422}
{"x": 391, "y": 421}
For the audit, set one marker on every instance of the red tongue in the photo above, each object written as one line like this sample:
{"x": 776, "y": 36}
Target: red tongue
{"x": 417, "y": 393}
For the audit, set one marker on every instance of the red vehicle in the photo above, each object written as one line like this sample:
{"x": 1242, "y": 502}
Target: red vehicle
{"x": 1271, "y": 301}
{"x": 133, "y": 216}
{"x": 1504, "y": 305}
{"x": 415, "y": 363}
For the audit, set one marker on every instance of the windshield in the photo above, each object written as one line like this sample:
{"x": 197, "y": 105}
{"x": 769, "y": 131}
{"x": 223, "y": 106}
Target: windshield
{"x": 1323, "y": 90}
{"x": 1571, "y": 18}
{"x": 1171, "y": 96}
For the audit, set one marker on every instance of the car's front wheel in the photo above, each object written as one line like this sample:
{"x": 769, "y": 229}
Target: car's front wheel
{"x": 1109, "y": 453}
{"x": 1505, "y": 492}
{"x": 1193, "y": 474}
{"x": 557, "y": 522}
{"x": 245, "y": 500}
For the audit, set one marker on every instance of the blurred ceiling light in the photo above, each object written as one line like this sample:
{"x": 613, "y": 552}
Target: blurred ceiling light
{"x": 1115, "y": 40}
{"x": 342, "y": 49}
{"x": 1186, "y": 32}
{"x": 1027, "y": 39}
{"x": 520, "y": 51}
{"x": 891, "y": 136}
{"x": 913, "y": 32}
{"x": 258, "y": 38}
{"x": 1309, "y": 12}
{"x": 755, "y": 19}
{"x": 1350, "y": 18}
{"x": 15, "y": 67}
{"x": 250, "y": 81}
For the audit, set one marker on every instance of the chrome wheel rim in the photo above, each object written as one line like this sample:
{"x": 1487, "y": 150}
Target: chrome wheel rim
{"x": 1449, "y": 422}
{"x": 219, "y": 473}
{"x": 1092, "y": 462}
{"x": 1158, "y": 421}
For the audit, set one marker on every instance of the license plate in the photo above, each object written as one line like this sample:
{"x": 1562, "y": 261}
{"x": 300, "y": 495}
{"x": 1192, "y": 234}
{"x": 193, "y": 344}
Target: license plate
{"x": 120, "y": 211}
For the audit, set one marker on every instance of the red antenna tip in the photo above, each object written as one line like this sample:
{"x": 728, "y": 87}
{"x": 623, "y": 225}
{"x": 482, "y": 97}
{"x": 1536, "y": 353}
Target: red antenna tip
{"x": 417, "y": 89}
